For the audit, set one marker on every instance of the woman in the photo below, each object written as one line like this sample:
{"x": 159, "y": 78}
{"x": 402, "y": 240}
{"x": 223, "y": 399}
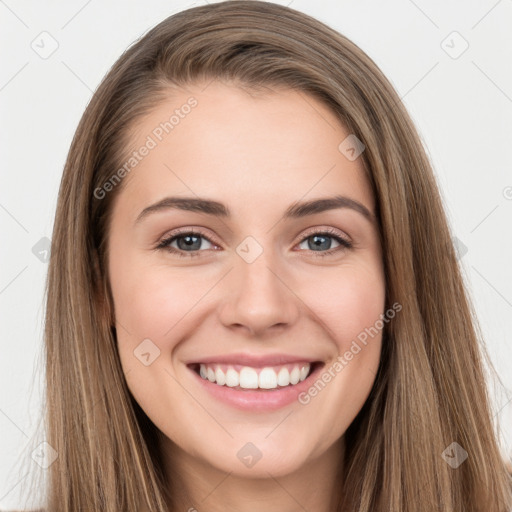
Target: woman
{"x": 259, "y": 371}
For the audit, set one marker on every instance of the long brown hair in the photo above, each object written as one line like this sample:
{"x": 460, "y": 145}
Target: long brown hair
{"x": 430, "y": 390}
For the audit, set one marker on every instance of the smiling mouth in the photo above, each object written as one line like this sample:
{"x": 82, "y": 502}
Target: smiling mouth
{"x": 268, "y": 378}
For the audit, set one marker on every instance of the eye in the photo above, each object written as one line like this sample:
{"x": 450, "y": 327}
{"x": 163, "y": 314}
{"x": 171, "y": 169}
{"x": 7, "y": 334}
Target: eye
{"x": 189, "y": 242}
{"x": 320, "y": 239}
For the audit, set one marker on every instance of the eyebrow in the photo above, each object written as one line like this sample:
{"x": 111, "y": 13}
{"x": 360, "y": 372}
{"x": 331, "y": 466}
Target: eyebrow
{"x": 294, "y": 211}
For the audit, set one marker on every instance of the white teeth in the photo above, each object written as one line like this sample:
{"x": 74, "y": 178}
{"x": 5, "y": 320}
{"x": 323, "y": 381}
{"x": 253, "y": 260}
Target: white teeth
{"x": 220, "y": 377}
{"x": 283, "y": 377}
{"x": 267, "y": 379}
{"x": 248, "y": 378}
{"x": 232, "y": 378}
{"x": 295, "y": 375}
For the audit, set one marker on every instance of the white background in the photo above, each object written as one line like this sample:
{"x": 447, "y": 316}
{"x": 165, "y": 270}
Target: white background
{"x": 462, "y": 107}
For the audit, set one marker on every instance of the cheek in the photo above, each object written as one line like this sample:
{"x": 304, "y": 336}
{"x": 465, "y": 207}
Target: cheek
{"x": 347, "y": 300}
{"x": 350, "y": 305}
{"x": 149, "y": 301}
{"x": 153, "y": 303}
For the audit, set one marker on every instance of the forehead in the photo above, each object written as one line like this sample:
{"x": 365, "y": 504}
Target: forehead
{"x": 242, "y": 147}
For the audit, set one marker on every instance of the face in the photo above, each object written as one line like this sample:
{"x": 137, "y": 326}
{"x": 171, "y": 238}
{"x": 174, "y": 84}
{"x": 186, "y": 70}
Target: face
{"x": 240, "y": 322}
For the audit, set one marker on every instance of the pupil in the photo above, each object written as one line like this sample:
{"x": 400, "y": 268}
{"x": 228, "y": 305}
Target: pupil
{"x": 319, "y": 244}
{"x": 188, "y": 239}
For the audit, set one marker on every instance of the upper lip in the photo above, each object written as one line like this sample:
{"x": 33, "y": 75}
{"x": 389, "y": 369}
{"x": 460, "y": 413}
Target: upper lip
{"x": 255, "y": 361}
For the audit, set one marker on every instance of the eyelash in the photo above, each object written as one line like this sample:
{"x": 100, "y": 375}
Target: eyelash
{"x": 164, "y": 244}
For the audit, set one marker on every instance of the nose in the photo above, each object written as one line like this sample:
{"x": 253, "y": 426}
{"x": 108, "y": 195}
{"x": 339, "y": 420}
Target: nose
{"x": 258, "y": 298}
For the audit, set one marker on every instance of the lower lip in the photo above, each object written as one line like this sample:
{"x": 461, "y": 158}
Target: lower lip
{"x": 261, "y": 399}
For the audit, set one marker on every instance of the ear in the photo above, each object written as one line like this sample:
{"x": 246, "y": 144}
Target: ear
{"x": 101, "y": 292}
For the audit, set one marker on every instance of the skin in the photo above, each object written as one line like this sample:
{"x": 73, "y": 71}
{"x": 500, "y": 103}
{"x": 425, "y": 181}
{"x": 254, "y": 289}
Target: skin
{"x": 256, "y": 153}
